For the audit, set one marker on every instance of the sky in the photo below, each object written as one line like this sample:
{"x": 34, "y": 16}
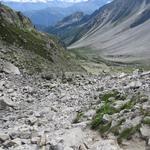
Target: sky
{"x": 75, "y": 1}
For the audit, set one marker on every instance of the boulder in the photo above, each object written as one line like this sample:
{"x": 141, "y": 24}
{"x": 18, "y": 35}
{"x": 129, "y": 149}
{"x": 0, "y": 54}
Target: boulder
{"x": 59, "y": 146}
{"x": 6, "y": 102}
{"x": 12, "y": 143}
{"x": 135, "y": 84}
{"x": 82, "y": 147}
{"x": 73, "y": 137}
{"x": 48, "y": 76}
{"x": 136, "y": 73}
{"x": 31, "y": 120}
{"x": 2, "y": 83}
{"x": 3, "y": 137}
{"x": 118, "y": 104}
{"x": 122, "y": 75}
{"x": 105, "y": 145}
{"x": 148, "y": 143}
{"x": 106, "y": 118}
{"x": 145, "y": 131}
{"x": 89, "y": 114}
{"x": 10, "y": 68}
{"x": 35, "y": 140}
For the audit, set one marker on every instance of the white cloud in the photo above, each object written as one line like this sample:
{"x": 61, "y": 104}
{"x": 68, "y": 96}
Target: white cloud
{"x": 34, "y": 1}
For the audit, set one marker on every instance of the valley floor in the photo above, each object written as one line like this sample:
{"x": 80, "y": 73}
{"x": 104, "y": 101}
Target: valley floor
{"x": 57, "y": 114}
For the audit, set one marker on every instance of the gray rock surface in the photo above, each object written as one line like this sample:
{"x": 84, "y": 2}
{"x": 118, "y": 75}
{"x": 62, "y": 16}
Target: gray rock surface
{"x": 8, "y": 67}
{"x": 39, "y": 113}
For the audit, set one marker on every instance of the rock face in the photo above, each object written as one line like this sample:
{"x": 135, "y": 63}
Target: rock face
{"x": 39, "y": 114}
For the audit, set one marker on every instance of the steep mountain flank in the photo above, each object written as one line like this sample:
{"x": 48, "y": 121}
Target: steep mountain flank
{"x": 33, "y": 51}
{"x": 67, "y": 28}
{"x": 119, "y": 31}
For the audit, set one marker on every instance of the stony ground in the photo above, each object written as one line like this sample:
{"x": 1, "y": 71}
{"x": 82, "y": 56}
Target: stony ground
{"x": 57, "y": 113}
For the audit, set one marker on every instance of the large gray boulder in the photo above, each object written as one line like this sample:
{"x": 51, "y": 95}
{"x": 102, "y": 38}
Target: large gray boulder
{"x": 6, "y": 102}
{"x": 145, "y": 131}
{"x": 9, "y": 68}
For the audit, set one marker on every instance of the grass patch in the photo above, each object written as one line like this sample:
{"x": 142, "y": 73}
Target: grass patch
{"x": 107, "y": 108}
{"x": 146, "y": 121}
{"x": 104, "y": 128}
{"x": 114, "y": 93}
{"x": 127, "y": 133}
{"x": 115, "y": 129}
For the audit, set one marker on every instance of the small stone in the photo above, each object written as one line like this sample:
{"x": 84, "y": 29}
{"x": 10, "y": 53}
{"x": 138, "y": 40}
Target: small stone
{"x": 35, "y": 140}
{"x": 31, "y": 121}
{"x": 122, "y": 75}
{"x": 148, "y": 142}
{"x": 83, "y": 147}
{"x": 6, "y": 102}
{"x": 135, "y": 84}
{"x": 42, "y": 140}
{"x": 10, "y": 91}
{"x": 49, "y": 76}
{"x": 118, "y": 104}
{"x": 145, "y": 131}
{"x": 11, "y": 143}
{"x": 4, "y": 137}
{"x": 90, "y": 113}
{"x": 59, "y": 146}
{"x": 106, "y": 118}
{"x": 136, "y": 73}
{"x": 17, "y": 141}
{"x": 2, "y": 83}
{"x": 37, "y": 114}
{"x": 146, "y": 107}
{"x": 30, "y": 100}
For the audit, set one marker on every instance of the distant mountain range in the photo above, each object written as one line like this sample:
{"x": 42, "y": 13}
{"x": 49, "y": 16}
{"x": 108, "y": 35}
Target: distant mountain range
{"x": 47, "y": 13}
{"x": 67, "y": 28}
{"x": 119, "y": 31}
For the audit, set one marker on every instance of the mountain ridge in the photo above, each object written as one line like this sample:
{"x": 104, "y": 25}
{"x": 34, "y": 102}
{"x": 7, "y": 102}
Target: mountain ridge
{"x": 48, "y": 14}
{"x": 67, "y": 28}
{"x": 109, "y": 29}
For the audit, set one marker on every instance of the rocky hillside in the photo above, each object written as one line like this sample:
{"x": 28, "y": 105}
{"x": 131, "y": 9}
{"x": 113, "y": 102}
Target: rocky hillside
{"x": 68, "y": 112}
{"x": 118, "y": 31}
{"x": 67, "y": 28}
{"x": 29, "y": 49}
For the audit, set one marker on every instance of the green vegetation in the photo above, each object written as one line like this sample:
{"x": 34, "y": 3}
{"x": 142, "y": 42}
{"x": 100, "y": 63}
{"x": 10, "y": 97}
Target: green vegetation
{"x": 115, "y": 129}
{"x": 86, "y": 56}
{"x": 107, "y": 108}
{"x": 128, "y": 105}
{"x": 127, "y": 133}
{"x": 146, "y": 120}
{"x": 104, "y": 127}
{"x": 29, "y": 40}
